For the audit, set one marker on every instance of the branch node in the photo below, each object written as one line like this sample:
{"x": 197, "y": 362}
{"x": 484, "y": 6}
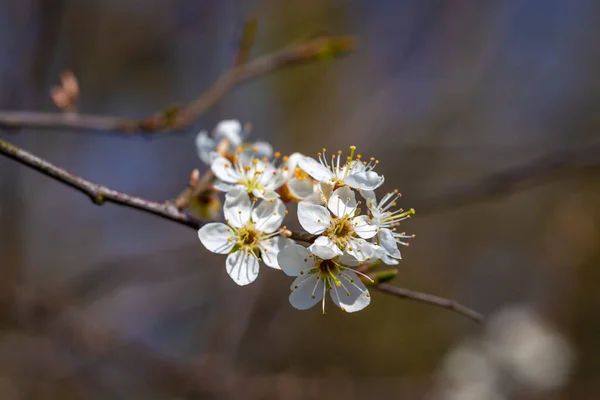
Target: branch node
{"x": 97, "y": 199}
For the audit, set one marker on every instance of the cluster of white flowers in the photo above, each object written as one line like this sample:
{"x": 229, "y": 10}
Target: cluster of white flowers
{"x": 259, "y": 183}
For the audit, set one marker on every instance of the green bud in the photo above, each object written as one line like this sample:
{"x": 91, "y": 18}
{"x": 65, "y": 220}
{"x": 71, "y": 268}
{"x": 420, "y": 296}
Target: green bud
{"x": 384, "y": 276}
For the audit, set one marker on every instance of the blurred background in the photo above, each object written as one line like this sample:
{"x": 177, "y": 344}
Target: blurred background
{"x": 110, "y": 303}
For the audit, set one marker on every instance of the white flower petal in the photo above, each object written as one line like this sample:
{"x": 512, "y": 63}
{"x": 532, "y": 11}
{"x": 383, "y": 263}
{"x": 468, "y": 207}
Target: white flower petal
{"x": 262, "y": 149}
{"x": 295, "y": 258}
{"x": 242, "y": 267}
{"x": 266, "y": 194}
{"x": 342, "y": 202}
{"x": 237, "y": 207}
{"x": 271, "y": 248}
{"x": 368, "y": 195}
{"x": 204, "y": 146}
{"x": 306, "y": 292}
{"x": 366, "y": 180}
{"x": 382, "y": 255}
{"x": 217, "y": 237}
{"x": 363, "y": 227}
{"x": 301, "y": 189}
{"x": 230, "y": 129}
{"x": 348, "y": 260}
{"x": 293, "y": 160}
{"x": 224, "y": 170}
{"x": 315, "y": 169}
{"x": 273, "y": 180}
{"x": 325, "y": 248}
{"x": 352, "y": 295}
{"x": 313, "y": 218}
{"x": 388, "y": 242}
{"x": 360, "y": 249}
{"x": 268, "y": 215}
{"x": 222, "y": 186}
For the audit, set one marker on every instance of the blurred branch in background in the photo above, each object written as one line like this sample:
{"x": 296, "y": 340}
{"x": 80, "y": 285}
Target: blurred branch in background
{"x": 176, "y": 118}
{"x": 548, "y": 167}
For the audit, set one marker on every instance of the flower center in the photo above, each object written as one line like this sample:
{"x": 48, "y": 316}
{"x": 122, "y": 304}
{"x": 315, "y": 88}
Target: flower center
{"x": 328, "y": 271}
{"x": 253, "y": 183}
{"x": 248, "y": 237}
{"x": 340, "y": 228}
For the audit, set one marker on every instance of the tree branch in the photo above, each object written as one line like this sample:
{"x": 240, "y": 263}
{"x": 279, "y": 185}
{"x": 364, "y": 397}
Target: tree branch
{"x": 174, "y": 118}
{"x": 97, "y": 193}
{"x": 430, "y": 299}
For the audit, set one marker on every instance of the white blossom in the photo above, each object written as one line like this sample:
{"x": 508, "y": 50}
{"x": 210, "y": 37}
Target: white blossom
{"x": 351, "y": 171}
{"x": 232, "y": 130}
{"x": 386, "y": 221}
{"x": 342, "y": 230}
{"x": 315, "y": 276}
{"x": 257, "y": 177}
{"x": 299, "y": 186}
{"x": 250, "y": 235}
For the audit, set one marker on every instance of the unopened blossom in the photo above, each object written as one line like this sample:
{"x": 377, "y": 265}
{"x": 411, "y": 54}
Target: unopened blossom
{"x": 338, "y": 171}
{"x": 250, "y": 234}
{"x": 235, "y": 133}
{"x": 315, "y": 276}
{"x": 387, "y": 221}
{"x": 298, "y": 186}
{"x": 257, "y": 177}
{"x": 341, "y": 230}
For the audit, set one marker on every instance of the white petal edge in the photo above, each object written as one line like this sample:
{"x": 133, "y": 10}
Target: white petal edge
{"x": 222, "y": 186}
{"x": 270, "y": 250}
{"x": 268, "y": 215}
{"x": 388, "y": 242}
{"x": 313, "y": 218}
{"x": 301, "y": 189}
{"x": 367, "y": 180}
{"x": 315, "y": 169}
{"x": 294, "y": 259}
{"x": 242, "y": 267}
{"x": 363, "y": 227}
{"x": 342, "y": 202}
{"x": 323, "y": 247}
{"x": 309, "y": 292}
{"x": 224, "y": 170}
{"x": 214, "y": 237}
{"x": 230, "y": 129}
{"x": 360, "y": 249}
{"x": 263, "y": 149}
{"x": 353, "y": 296}
{"x": 204, "y": 146}
{"x": 237, "y": 207}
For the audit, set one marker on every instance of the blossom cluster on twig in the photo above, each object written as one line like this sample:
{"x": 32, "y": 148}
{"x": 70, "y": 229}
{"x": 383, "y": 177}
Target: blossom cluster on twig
{"x": 337, "y": 205}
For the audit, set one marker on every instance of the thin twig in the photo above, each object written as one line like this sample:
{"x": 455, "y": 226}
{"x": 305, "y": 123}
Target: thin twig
{"x": 246, "y": 41}
{"x": 97, "y": 193}
{"x": 430, "y": 299}
{"x": 174, "y": 118}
